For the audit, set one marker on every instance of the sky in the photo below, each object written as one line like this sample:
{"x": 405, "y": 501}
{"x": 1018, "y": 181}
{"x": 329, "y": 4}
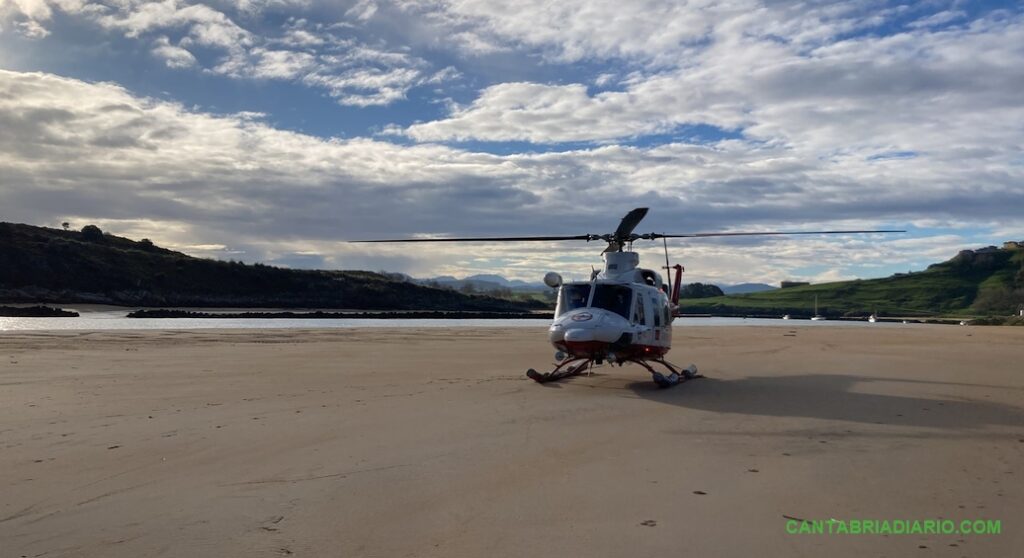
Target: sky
{"x": 277, "y": 130}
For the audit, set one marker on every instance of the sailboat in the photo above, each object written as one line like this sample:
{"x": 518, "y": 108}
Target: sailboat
{"x": 816, "y": 317}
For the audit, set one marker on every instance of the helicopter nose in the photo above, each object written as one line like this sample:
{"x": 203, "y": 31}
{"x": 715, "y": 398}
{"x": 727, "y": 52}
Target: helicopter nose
{"x": 580, "y": 341}
{"x": 582, "y": 335}
{"x": 591, "y": 337}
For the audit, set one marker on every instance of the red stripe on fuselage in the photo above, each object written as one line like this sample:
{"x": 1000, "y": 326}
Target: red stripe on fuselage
{"x": 601, "y": 349}
{"x": 646, "y": 351}
{"x": 587, "y": 348}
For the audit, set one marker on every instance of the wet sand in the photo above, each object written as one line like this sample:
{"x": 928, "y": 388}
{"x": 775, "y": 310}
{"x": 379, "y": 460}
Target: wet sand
{"x": 401, "y": 442}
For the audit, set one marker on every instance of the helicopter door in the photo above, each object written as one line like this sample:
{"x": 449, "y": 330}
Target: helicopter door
{"x": 659, "y": 322}
{"x": 639, "y": 316}
{"x": 642, "y": 319}
{"x": 656, "y": 334}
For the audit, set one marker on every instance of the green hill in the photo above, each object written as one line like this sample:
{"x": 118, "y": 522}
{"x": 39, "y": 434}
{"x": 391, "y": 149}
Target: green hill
{"x": 39, "y": 264}
{"x": 983, "y": 282}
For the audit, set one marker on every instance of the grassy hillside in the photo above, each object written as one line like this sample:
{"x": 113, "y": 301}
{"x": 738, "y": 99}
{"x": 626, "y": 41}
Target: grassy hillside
{"x": 972, "y": 283}
{"x": 39, "y": 264}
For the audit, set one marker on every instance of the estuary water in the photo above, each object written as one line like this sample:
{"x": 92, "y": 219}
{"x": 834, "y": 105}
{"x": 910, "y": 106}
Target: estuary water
{"x": 116, "y": 320}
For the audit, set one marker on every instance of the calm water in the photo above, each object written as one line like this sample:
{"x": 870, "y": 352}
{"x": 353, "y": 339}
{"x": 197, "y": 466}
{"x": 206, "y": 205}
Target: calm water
{"x": 116, "y": 320}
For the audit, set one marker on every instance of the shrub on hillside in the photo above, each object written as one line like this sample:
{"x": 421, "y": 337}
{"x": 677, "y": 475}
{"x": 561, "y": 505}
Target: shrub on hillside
{"x": 92, "y": 233}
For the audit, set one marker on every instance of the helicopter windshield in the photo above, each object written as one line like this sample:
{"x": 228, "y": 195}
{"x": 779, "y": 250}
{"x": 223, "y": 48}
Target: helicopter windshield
{"x": 616, "y": 298}
{"x": 572, "y": 297}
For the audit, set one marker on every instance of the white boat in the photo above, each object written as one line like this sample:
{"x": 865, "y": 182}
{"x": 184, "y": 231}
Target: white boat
{"x": 816, "y": 317}
{"x": 872, "y": 318}
{"x": 786, "y": 317}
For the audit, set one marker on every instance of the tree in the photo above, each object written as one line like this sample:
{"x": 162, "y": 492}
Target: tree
{"x": 500, "y": 292}
{"x": 998, "y": 300}
{"x": 66, "y": 225}
{"x": 92, "y": 233}
{"x": 700, "y": 290}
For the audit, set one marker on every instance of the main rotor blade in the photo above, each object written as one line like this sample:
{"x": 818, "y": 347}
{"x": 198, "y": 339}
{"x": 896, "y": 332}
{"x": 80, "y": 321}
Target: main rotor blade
{"x": 629, "y": 222}
{"x": 767, "y": 233}
{"x": 485, "y": 239}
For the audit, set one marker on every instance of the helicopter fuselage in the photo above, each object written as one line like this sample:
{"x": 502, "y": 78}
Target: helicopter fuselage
{"x": 623, "y": 314}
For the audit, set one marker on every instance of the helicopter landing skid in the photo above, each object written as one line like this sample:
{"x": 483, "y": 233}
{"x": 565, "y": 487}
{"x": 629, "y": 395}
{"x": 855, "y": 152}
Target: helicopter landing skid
{"x": 675, "y": 375}
{"x": 577, "y": 368}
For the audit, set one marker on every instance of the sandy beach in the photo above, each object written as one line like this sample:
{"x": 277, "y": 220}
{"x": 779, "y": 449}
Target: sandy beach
{"x": 405, "y": 442}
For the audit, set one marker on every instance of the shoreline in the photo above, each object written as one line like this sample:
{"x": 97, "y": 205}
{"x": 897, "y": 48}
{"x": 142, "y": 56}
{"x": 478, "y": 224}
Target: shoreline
{"x": 48, "y": 311}
{"x": 363, "y": 315}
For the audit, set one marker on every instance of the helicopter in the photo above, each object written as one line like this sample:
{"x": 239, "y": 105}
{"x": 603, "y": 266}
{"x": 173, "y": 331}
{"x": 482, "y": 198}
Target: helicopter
{"x": 624, "y": 313}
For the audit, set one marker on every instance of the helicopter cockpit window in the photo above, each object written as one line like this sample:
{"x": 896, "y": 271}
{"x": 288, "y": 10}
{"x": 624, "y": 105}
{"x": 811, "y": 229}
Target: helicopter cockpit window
{"x": 572, "y": 297}
{"x": 616, "y": 298}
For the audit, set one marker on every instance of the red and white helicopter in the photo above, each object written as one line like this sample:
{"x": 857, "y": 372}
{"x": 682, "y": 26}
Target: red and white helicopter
{"x": 625, "y": 312}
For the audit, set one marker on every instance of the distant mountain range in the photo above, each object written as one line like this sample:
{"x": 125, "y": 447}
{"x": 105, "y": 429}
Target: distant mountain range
{"x": 483, "y": 283}
{"x": 486, "y": 283}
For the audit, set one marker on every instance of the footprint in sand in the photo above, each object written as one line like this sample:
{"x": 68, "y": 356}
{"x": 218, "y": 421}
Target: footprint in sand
{"x": 269, "y": 523}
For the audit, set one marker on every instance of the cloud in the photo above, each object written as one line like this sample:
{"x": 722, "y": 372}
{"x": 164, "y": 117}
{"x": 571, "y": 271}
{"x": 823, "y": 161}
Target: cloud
{"x": 362, "y": 10}
{"x": 748, "y": 114}
{"x": 203, "y": 24}
{"x": 296, "y": 36}
{"x": 260, "y": 63}
{"x": 540, "y": 113}
{"x": 97, "y": 147}
{"x": 32, "y": 29}
{"x": 30, "y": 10}
{"x": 29, "y": 16}
{"x": 366, "y": 86}
{"x": 95, "y": 151}
{"x": 172, "y": 55}
{"x": 877, "y": 91}
{"x": 937, "y": 19}
{"x": 570, "y": 31}
{"x": 185, "y": 35}
{"x": 362, "y": 76}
